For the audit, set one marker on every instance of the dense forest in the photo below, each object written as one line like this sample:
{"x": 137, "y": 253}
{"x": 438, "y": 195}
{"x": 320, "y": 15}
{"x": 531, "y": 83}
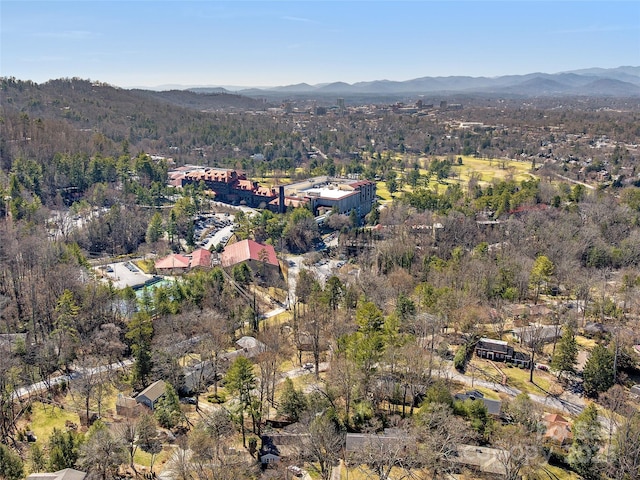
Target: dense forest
{"x": 389, "y": 335}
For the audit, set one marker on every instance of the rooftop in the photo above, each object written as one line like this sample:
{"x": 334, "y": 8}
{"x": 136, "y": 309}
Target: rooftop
{"x": 327, "y": 192}
{"x": 248, "y": 250}
{"x": 153, "y": 392}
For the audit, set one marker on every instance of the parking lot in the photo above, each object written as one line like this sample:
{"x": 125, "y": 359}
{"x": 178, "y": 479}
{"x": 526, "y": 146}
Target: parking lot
{"x": 124, "y": 274}
{"x": 214, "y": 229}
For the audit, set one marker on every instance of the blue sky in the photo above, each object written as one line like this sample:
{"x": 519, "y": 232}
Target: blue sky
{"x": 266, "y": 43}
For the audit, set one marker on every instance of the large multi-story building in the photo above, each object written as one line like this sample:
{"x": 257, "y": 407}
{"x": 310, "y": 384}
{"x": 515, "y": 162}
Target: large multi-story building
{"x": 228, "y": 185}
{"x": 320, "y": 194}
{"x": 328, "y": 193}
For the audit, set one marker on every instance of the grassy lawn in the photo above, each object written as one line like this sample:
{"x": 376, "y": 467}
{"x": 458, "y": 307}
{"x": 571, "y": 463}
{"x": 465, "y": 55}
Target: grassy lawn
{"x": 485, "y": 170}
{"x": 279, "y": 319}
{"x": 558, "y": 473}
{"x": 492, "y": 169}
{"x": 586, "y": 343}
{"x": 517, "y": 377}
{"x": 143, "y": 458}
{"x": 362, "y": 473}
{"x": 145, "y": 265}
{"x": 382, "y": 192}
{"x": 44, "y": 418}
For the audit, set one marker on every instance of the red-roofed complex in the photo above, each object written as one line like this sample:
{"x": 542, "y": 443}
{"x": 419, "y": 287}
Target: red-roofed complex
{"x": 321, "y": 194}
{"x": 229, "y": 186}
{"x": 176, "y": 263}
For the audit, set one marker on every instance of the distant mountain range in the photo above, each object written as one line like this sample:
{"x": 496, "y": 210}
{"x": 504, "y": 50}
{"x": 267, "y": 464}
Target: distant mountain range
{"x": 615, "y": 82}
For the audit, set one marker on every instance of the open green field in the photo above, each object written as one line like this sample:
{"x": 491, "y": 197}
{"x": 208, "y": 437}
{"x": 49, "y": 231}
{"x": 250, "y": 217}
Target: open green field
{"x": 485, "y": 171}
{"x": 518, "y": 377}
{"x": 44, "y": 418}
{"x": 382, "y": 192}
{"x": 489, "y": 170}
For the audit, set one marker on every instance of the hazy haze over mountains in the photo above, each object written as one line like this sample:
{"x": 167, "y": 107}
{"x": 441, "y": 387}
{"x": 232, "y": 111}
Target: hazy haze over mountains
{"x": 621, "y": 81}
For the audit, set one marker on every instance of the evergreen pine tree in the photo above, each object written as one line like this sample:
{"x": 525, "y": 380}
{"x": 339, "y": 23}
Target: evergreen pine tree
{"x": 566, "y": 354}
{"x": 598, "y": 371}
{"x": 586, "y": 443}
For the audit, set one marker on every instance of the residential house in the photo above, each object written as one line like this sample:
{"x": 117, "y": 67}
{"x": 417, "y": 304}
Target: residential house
{"x": 494, "y": 349}
{"x": 522, "y": 310}
{"x": 594, "y": 329}
{"x": 390, "y": 438}
{"x": 66, "y": 474}
{"x": 544, "y": 333}
{"x": 250, "y": 346}
{"x": 150, "y": 395}
{"x": 494, "y": 407}
{"x": 558, "y": 430}
{"x": 485, "y": 459}
{"x": 269, "y": 452}
{"x": 197, "y": 377}
{"x": 501, "y": 351}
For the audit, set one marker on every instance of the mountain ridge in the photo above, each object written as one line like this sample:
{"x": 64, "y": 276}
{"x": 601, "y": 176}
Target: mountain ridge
{"x": 626, "y": 78}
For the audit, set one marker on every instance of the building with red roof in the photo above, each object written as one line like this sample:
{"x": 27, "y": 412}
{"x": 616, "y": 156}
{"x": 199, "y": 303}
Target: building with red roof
{"x": 249, "y": 251}
{"x": 200, "y": 258}
{"x": 229, "y": 186}
{"x": 320, "y": 193}
{"x": 260, "y": 258}
{"x": 177, "y": 263}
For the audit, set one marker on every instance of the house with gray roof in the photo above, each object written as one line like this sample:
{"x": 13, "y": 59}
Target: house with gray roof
{"x": 66, "y": 474}
{"x": 150, "y": 395}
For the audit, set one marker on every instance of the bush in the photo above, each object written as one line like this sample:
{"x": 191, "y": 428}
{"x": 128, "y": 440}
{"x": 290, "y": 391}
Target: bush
{"x": 219, "y": 398}
{"x": 463, "y": 354}
{"x": 460, "y": 359}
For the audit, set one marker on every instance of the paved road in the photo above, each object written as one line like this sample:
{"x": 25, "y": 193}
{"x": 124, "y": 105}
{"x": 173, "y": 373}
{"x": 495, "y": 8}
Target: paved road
{"x": 75, "y": 375}
{"x": 293, "y": 270}
{"x": 570, "y": 404}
